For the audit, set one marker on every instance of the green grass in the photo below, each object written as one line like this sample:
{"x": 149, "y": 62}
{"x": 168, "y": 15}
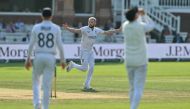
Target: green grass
{"x": 167, "y": 86}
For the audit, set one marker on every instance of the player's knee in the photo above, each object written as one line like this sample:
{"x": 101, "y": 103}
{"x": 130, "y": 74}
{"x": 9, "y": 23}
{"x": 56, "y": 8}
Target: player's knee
{"x": 84, "y": 68}
{"x": 91, "y": 68}
{"x": 139, "y": 93}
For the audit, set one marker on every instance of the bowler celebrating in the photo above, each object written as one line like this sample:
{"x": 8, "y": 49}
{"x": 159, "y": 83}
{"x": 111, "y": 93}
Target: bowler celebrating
{"x": 89, "y": 35}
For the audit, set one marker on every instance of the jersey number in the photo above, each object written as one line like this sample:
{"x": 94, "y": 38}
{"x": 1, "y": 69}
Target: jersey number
{"x": 49, "y": 42}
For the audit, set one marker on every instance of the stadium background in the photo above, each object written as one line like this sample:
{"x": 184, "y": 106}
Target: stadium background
{"x": 17, "y": 18}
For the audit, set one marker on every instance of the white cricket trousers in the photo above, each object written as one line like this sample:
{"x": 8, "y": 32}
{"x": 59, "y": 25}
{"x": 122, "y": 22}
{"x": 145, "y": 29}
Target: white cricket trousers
{"x": 43, "y": 70}
{"x": 87, "y": 63}
{"x": 137, "y": 77}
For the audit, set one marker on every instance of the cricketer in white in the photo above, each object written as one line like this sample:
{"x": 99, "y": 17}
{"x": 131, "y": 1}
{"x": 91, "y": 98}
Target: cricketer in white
{"x": 89, "y": 34}
{"x": 134, "y": 31}
{"x": 45, "y": 39}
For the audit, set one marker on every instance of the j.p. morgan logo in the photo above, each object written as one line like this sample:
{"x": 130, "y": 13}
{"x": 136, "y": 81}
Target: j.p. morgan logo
{"x": 178, "y": 51}
{"x": 104, "y": 52}
{"x": 12, "y": 52}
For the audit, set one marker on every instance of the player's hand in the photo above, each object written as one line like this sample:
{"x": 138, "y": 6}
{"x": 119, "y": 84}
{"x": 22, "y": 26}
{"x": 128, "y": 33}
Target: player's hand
{"x": 65, "y": 25}
{"x": 141, "y": 11}
{"x": 63, "y": 65}
{"x": 110, "y": 33}
{"x": 28, "y": 64}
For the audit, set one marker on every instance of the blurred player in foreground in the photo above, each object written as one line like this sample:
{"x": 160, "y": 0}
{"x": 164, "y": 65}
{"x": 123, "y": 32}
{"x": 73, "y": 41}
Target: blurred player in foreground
{"x": 134, "y": 31}
{"x": 89, "y": 35}
{"x": 45, "y": 38}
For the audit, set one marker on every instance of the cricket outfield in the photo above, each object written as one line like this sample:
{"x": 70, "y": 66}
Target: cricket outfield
{"x": 167, "y": 87}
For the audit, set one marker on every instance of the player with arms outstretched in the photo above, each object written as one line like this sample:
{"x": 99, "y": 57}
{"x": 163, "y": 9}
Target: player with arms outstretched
{"x": 89, "y": 35}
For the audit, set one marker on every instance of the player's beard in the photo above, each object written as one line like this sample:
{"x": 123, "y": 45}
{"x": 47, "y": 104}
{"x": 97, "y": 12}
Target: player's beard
{"x": 91, "y": 26}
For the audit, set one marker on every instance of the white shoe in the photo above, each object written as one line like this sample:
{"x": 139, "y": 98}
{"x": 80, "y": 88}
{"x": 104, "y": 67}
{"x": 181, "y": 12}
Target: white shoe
{"x": 70, "y": 66}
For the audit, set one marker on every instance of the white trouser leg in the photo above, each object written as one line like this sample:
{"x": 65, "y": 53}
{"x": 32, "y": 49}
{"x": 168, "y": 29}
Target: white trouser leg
{"x": 90, "y": 70}
{"x": 47, "y": 80}
{"x": 82, "y": 67}
{"x": 131, "y": 82}
{"x": 137, "y": 77}
{"x": 84, "y": 61}
{"x": 44, "y": 65}
{"x": 36, "y": 80}
{"x": 36, "y": 91}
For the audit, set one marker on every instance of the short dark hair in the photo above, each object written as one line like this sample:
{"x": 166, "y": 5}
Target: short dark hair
{"x": 47, "y": 12}
{"x": 131, "y": 14}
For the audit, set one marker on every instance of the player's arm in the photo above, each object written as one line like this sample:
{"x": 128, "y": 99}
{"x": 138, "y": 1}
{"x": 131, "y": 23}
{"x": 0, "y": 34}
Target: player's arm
{"x": 28, "y": 62}
{"x": 112, "y": 31}
{"x": 147, "y": 21}
{"x": 73, "y": 30}
{"x": 60, "y": 48}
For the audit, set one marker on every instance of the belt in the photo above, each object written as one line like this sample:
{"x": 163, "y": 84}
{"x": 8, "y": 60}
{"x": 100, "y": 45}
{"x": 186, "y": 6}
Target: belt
{"x": 41, "y": 52}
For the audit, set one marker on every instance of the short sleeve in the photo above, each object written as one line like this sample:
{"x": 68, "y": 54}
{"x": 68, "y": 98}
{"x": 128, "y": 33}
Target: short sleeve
{"x": 82, "y": 29}
{"x": 99, "y": 31}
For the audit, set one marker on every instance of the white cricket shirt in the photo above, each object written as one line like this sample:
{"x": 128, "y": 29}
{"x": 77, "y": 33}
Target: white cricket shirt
{"x": 89, "y": 36}
{"x": 135, "y": 41}
{"x": 46, "y": 38}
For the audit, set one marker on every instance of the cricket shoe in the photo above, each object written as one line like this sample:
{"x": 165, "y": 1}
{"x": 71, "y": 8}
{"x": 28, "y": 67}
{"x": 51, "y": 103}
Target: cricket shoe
{"x": 70, "y": 66}
{"x": 88, "y": 90}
